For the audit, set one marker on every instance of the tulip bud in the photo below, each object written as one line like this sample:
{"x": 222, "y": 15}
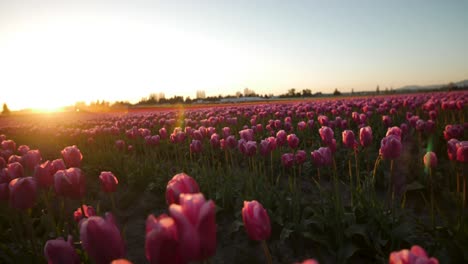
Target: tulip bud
{"x": 59, "y": 251}
{"x": 365, "y": 136}
{"x": 390, "y": 147}
{"x": 70, "y": 183}
{"x": 72, "y": 156}
{"x": 162, "y": 240}
{"x": 430, "y": 160}
{"x": 101, "y": 239}
{"x": 416, "y": 255}
{"x": 256, "y": 221}
{"x": 23, "y": 193}
{"x": 180, "y": 183}
{"x": 88, "y": 212}
{"x": 108, "y": 182}
{"x": 293, "y": 141}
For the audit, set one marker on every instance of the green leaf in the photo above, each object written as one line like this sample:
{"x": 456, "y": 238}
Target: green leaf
{"x": 285, "y": 232}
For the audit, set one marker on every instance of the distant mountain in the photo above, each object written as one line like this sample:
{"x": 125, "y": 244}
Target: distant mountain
{"x": 463, "y": 83}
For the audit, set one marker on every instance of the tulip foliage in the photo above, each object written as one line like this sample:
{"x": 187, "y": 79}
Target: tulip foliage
{"x": 347, "y": 180}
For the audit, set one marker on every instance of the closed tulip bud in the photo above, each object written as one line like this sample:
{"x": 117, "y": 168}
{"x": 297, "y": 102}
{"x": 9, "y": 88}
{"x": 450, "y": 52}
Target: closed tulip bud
{"x": 462, "y": 152}
{"x": 287, "y": 159}
{"x": 163, "y": 133}
{"x": 195, "y": 146}
{"x": 293, "y": 141}
{"x": 323, "y": 120}
{"x": 70, "y": 183}
{"x": 15, "y": 170}
{"x": 162, "y": 240}
{"x": 452, "y": 148}
{"x": 281, "y": 137}
{"x": 231, "y": 142}
{"x": 72, "y": 156}
{"x": 59, "y": 251}
{"x": 8, "y": 144}
{"x": 256, "y": 221}
{"x": 247, "y": 134}
{"x": 396, "y": 131}
{"x": 31, "y": 159}
{"x": 301, "y": 126}
{"x": 58, "y": 164}
{"x": 23, "y": 149}
{"x": 326, "y": 134}
{"x": 44, "y": 174}
{"x": 195, "y": 219}
{"x": 365, "y": 136}
{"x": 264, "y": 147}
{"x": 430, "y": 160}
{"x": 180, "y": 183}
{"x": 23, "y": 193}
{"x": 214, "y": 141}
{"x": 108, "y": 182}
{"x": 121, "y": 261}
{"x": 348, "y": 139}
{"x": 300, "y": 157}
{"x": 416, "y": 255}
{"x": 120, "y": 144}
{"x": 88, "y": 212}
{"x": 250, "y": 148}
{"x": 101, "y": 239}
{"x": 390, "y": 147}
{"x": 386, "y": 120}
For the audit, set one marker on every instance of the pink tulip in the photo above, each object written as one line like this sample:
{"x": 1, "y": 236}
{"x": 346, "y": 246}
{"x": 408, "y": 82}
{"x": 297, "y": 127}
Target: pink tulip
{"x": 72, "y": 156}
{"x": 163, "y": 133}
{"x": 365, "y": 136}
{"x": 15, "y": 158}
{"x": 70, "y": 183}
{"x": 121, "y": 261}
{"x": 430, "y": 160}
{"x": 44, "y": 174}
{"x": 180, "y": 183}
{"x": 120, "y": 144}
{"x": 231, "y": 142}
{"x": 23, "y": 193}
{"x": 322, "y": 157}
{"x": 281, "y": 137}
{"x": 323, "y": 120}
{"x": 462, "y": 152}
{"x": 101, "y": 239}
{"x": 264, "y": 147}
{"x": 108, "y": 182}
{"x": 453, "y": 131}
{"x": 287, "y": 159}
{"x": 214, "y": 141}
{"x": 31, "y": 159}
{"x": 162, "y": 240}
{"x": 416, "y": 255}
{"x": 23, "y": 149}
{"x": 196, "y": 222}
{"x": 58, "y": 164}
{"x": 195, "y": 146}
{"x": 15, "y": 170}
{"x": 452, "y": 149}
{"x": 326, "y": 134}
{"x": 300, "y": 157}
{"x": 250, "y": 148}
{"x": 58, "y": 251}
{"x": 88, "y": 212}
{"x": 396, "y": 131}
{"x": 247, "y": 134}
{"x": 293, "y": 141}
{"x": 386, "y": 120}
{"x": 8, "y": 144}
{"x": 256, "y": 221}
{"x": 390, "y": 147}
{"x": 301, "y": 126}
{"x": 348, "y": 139}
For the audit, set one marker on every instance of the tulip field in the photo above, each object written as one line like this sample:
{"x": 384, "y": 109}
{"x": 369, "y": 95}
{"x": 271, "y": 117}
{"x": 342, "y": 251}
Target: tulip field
{"x": 331, "y": 180}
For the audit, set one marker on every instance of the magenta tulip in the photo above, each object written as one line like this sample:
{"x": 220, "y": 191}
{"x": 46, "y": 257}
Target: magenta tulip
{"x": 108, "y": 182}
{"x": 326, "y": 134}
{"x": 23, "y": 193}
{"x": 396, "y": 131}
{"x": 180, "y": 183}
{"x": 462, "y": 152}
{"x": 287, "y": 159}
{"x": 72, "y": 156}
{"x": 15, "y": 170}
{"x": 8, "y": 144}
{"x": 348, "y": 139}
{"x": 256, "y": 221}
{"x": 162, "y": 240}
{"x": 31, "y": 159}
{"x": 452, "y": 149}
{"x": 59, "y": 251}
{"x": 308, "y": 261}
{"x": 70, "y": 183}
{"x": 101, "y": 239}
{"x": 390, "y": 147}
{"x": 322, "y": 157}
{"x": 293, "y": 141}
{"x": 23, "y": 149}
{"x": 281, "y": 137}
{"x": 365, "y": 136}
{"x": 300, "y": 157}
{"x": 195, "y": 146}
{"x": 44, "y": 174}
{"x": 196, "y": 222}
{"x": 58, "y": 164}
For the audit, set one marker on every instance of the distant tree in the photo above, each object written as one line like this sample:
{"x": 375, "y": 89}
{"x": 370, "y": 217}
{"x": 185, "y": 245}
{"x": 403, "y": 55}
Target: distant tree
{"x": 377, "y": 90}
{"x": 352, "y": 91}
{"x": 336, "y": 92}
{"x": 6, "y": 110}
{"x": 306, "y": 92}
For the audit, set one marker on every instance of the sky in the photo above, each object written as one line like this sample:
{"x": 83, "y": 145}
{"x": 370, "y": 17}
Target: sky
{"x": 54, "y": 53}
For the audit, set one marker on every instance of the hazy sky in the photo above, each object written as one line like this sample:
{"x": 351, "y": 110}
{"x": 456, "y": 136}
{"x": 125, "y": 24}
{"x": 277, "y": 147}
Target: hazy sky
{"x": 57, "y": 52}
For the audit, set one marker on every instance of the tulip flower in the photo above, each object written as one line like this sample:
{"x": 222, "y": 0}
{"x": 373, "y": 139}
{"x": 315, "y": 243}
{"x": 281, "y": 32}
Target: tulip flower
{"x": 416, "y": 255}
{"x": 121, "y": 261}
{"x": 308, "y": 261}
{"x": 58, "y": 251}
{"x": 281, "y": 137}
{"x": 452, "y": 148}
{"x": 162, "y": 240}
{"x": 44, "y": 174}
{"x": 326, "y": 134}
{"x": 8, "y": 144}
{"x": 101, "y": 239}
{"x": 31, "y": 159}
{"x": 196, "y": 222}
{"x": 462, "y": 152}
{"x": 72, "y": 156}
{"x": 348, "y": 139}
{"x": 23, "y": 149}
{"x": 23, "y": 193}
{"x": 390, "y": 147}
{"x": 180, "y": 183}
{"x": 293, "y": 141}
{"x": 430, "y": 160}
{"x": 300, "y": 157}
{"x": 15, "y": 170}
{"x": 58, "y": 164}
{"x": 365, "y": 136}
{"x": 70, "y": 183}
{"x": 88, "y": 212}
{"x": 396, "y": 131}
{"x": 195, "y": 146}
{"x": 287, "y": 159}
{"x": 108, "y": 181}
{"x": 256, "y": 221}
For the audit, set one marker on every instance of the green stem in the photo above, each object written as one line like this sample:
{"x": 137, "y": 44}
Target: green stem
{"x": 267, "y": 253}
{"x": 432, "y": 197}
{"x": 358, "y": 181}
